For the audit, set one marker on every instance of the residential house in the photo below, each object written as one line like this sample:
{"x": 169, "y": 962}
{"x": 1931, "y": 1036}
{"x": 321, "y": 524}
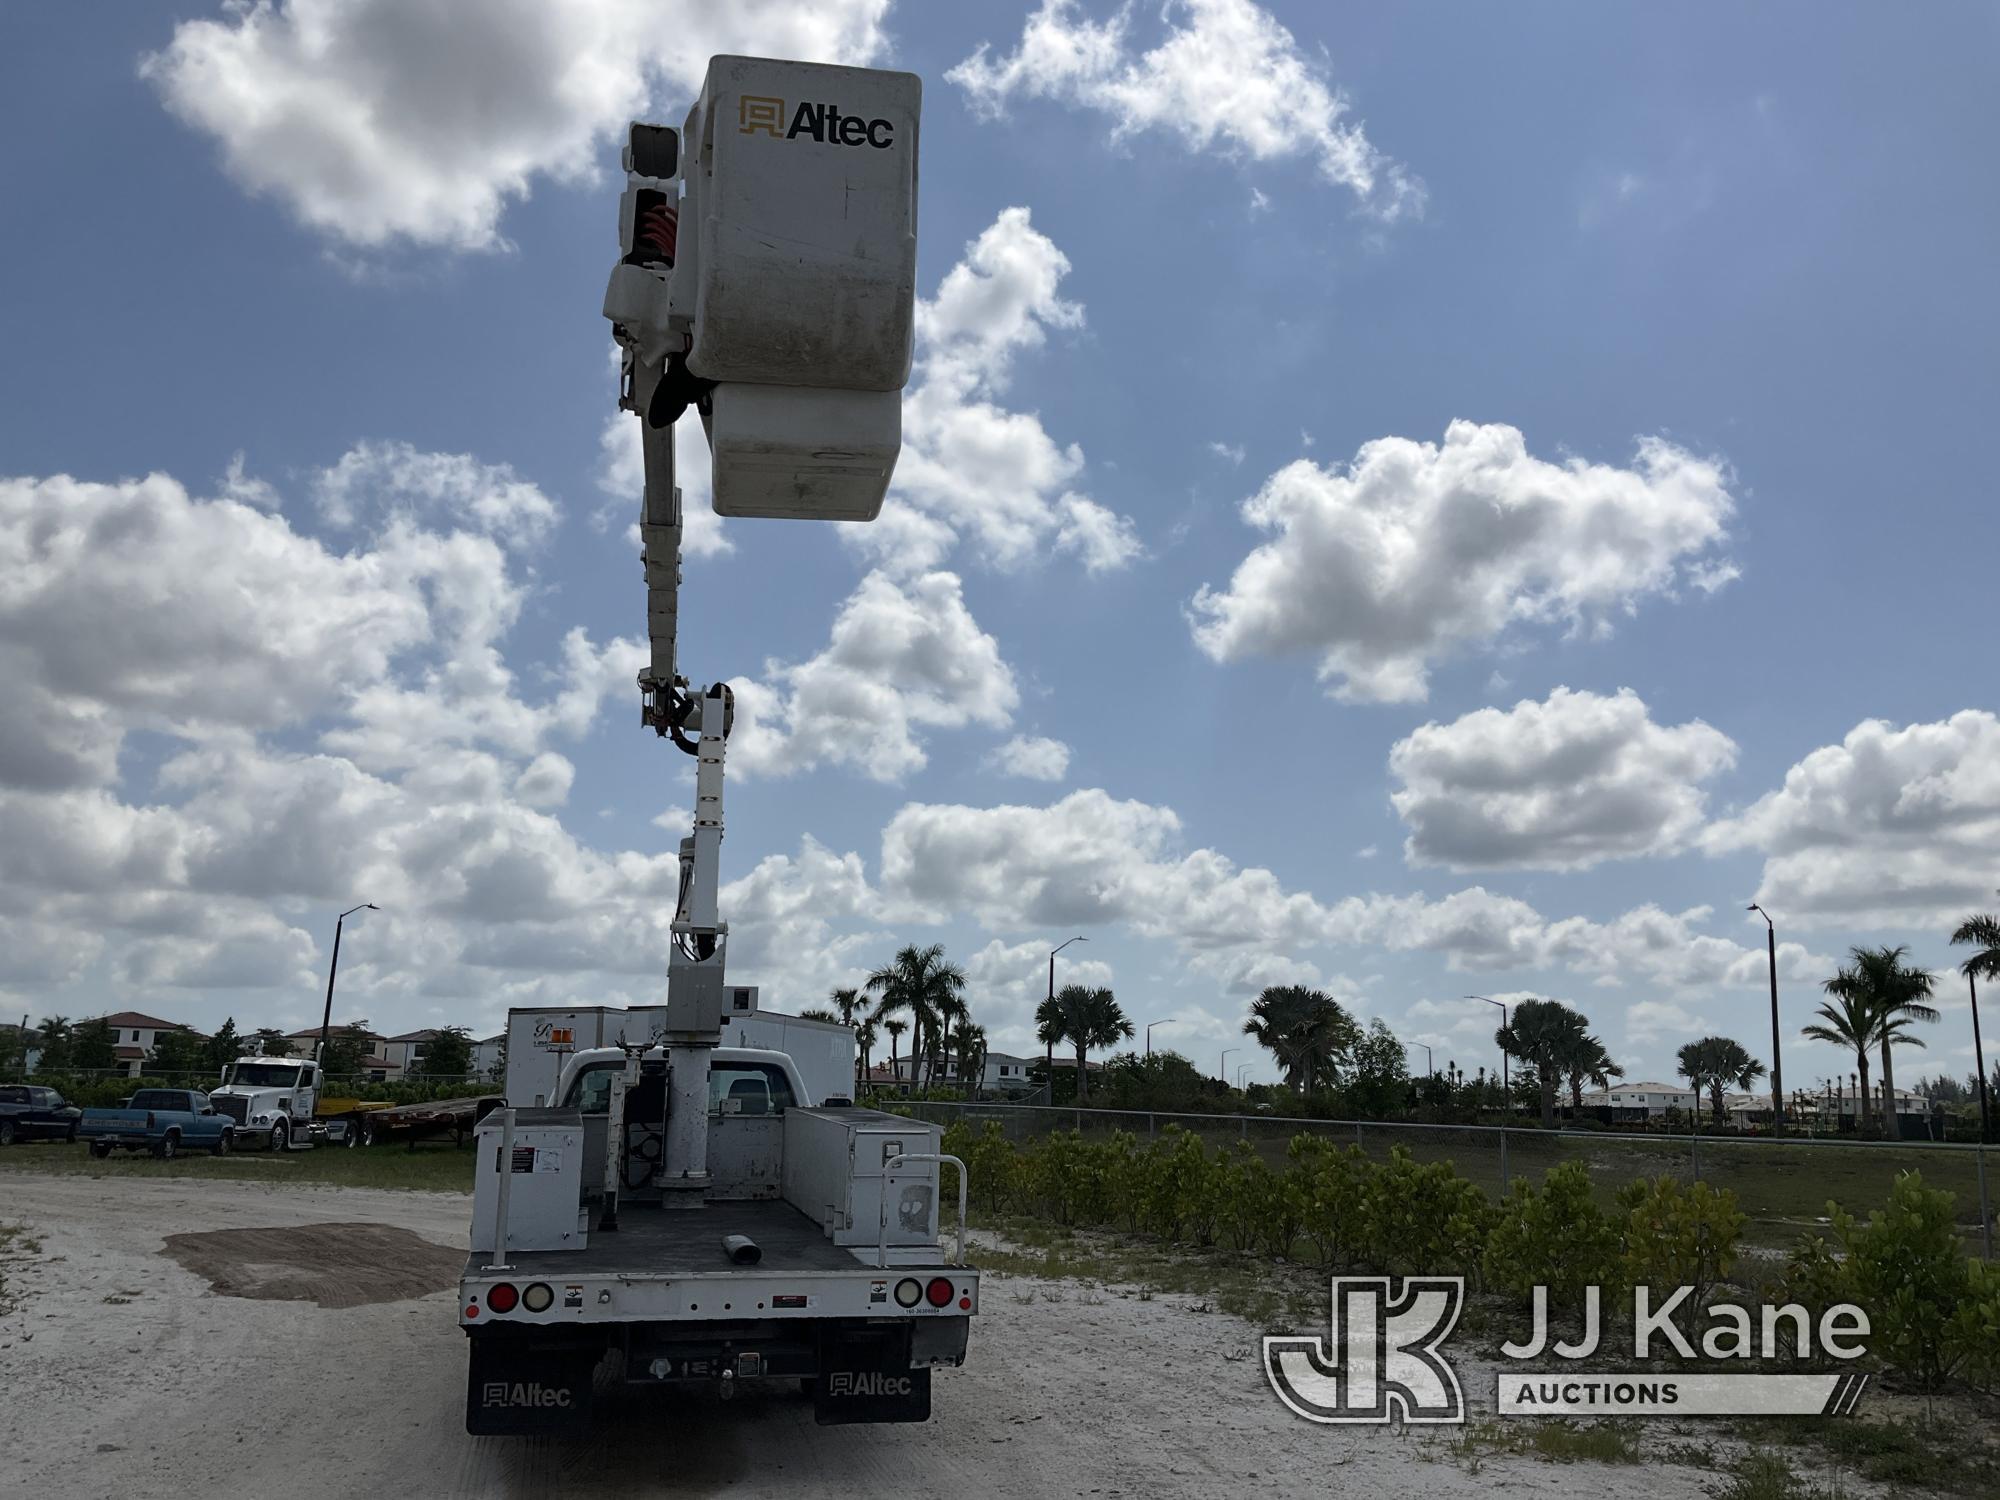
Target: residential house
{"x": 377, "y": 1066}
{"x": 1632, "y": 1102}
{"x": 133, "y": 1034}
{"x": 406, "y": 1052}
{"x": 487, "y": 1054}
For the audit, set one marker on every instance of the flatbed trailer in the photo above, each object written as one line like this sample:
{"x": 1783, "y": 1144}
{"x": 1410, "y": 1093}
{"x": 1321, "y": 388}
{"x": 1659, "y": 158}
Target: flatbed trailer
{"x": 861, "y": 1337}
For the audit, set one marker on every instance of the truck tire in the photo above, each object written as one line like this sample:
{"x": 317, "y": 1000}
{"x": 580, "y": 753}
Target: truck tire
{"x": 100, "y": 1149}
{"x": 279, "y": 1136}
{"x": 69, "y": 1135}
{"x": 351, "y": 1137}
{"x": 6, "y": 1132}
{"x": 223, "y": 1143}
{"x": 168, "y": 1145}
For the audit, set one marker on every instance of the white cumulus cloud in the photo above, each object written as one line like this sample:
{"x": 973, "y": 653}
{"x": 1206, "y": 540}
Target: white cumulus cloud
{"x": 376, "y": 121}
{"x": 1893, "y": 825}
{"x": 1031, "y": 756}
{"x": 1562, "y": 784}
{"x": 903, "y": 656}
{"x": 1416, "y": 550}
{"x": 1225, "y": 77}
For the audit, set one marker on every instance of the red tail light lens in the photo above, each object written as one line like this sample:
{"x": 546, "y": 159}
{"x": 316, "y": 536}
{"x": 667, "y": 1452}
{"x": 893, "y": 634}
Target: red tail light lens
{"x": 939, "y": 1293}
{"x": 501, "y": 1297}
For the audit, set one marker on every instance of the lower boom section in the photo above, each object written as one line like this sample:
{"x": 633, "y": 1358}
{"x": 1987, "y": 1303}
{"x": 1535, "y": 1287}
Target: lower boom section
{"x": 540, "y": 1381}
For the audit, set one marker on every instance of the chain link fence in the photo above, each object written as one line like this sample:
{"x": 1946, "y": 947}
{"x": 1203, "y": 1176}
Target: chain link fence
{"x": 1782, "y": 1184}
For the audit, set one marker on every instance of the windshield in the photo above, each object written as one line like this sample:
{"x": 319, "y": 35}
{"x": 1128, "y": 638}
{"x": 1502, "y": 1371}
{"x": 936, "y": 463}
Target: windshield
{"x": 264, "y": 1075}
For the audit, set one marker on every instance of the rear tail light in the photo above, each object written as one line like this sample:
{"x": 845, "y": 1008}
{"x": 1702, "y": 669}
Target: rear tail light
{"x": 909, "y": 1292}
{"x": 501, "y": 1297}
{"x": 538, "y": 1297}
{"x": 939, "y": 1293}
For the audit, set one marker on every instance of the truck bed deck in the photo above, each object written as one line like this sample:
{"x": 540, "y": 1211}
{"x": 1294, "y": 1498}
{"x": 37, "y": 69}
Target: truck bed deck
{"x": 688, "y": 1242}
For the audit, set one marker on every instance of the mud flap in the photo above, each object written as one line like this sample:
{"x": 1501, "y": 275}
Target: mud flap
{"x": 512, "y": 1389}
{"x": 867, "y": 1378}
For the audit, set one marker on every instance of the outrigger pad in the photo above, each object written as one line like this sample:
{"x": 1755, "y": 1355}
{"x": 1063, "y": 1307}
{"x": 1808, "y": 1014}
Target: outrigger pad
{"x": 869, "y": 1379}
{"x": 512, "y": 1390}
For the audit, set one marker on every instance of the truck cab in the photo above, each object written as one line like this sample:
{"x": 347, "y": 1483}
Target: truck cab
{"x": 749, "y": 1090}
{"x": 269, "y": 1100}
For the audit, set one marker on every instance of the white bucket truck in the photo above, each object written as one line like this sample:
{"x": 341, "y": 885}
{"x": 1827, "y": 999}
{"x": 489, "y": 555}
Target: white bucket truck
{"x": 684, "y": 1209}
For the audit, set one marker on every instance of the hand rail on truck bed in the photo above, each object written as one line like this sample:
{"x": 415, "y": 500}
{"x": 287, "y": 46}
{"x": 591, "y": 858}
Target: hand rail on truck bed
{"x": 888, "y": 1173}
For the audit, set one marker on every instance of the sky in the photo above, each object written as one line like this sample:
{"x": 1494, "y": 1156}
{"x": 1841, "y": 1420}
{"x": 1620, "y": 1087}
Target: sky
{"x": 1418, "y": 502}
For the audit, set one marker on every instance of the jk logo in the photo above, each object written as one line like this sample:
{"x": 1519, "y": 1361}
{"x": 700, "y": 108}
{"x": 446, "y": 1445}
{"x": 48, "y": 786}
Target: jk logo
{"x": 1382, "y": 1359}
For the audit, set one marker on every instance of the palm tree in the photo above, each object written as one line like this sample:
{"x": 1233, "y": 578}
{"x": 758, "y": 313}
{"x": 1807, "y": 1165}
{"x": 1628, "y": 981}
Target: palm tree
{"x": 1983, "y": 932}
{"x": 895, "y": 1029}
{"x": 818, "y": 1013}
{"x": 1713, "y": 1064}
{"x": 950, "y": 1015}
{"x": 1846, "y": 1021}
{"x": 1541, "y": 1033}
{"x": 864, "y": 1043}
{"x": 968, "y": 1045}
{"x": 1091, "y": 1018}
{"x": 1585, "y": 1061}
{"x": 1897, "y": 995}
{"x": 1306, "y": 1030}
{"x": 1049, "y": 1031}
{"x": 923, "y": 983}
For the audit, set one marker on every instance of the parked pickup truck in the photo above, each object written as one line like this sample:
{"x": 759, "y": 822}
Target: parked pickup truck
{"x": 29, "y": 1112}
{"x": 165, "y": 1122}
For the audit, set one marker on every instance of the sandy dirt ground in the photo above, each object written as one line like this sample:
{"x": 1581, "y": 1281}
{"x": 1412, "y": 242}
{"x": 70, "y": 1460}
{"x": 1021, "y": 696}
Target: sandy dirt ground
{"x": 126, "y": 1374}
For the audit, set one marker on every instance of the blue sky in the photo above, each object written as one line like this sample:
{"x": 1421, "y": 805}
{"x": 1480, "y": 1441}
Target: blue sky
{"x": 1687, "y": 612}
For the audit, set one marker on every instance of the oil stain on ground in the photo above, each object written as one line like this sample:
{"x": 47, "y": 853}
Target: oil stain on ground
{"x": 330, "y": 1265}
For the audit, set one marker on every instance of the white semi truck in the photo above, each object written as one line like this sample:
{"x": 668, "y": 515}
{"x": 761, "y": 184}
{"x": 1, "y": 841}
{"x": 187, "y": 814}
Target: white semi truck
{"x": 679, "y": 1209}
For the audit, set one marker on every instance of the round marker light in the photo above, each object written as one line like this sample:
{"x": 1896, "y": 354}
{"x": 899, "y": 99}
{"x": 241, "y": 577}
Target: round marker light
{"x": 909, "y": 1292}
{"x": 501, "y": 1297}
{"x": 538, "y": 1297}
{"x": 939, "y": 1293}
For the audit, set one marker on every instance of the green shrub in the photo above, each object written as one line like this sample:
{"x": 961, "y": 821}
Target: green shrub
{"x": 1677, "y": 1235}
{"x": 1328, "y": 1182}
{"x": 1553, "y": 1236}
{"x": 1422, "y": 1218}
{"x": 1927, "y": 1313}
{"x": 1178, "y": 1188}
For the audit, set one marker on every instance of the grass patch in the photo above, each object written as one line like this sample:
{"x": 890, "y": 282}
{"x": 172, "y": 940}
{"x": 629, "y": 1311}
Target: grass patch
{"x": 437, "y": 1168}
{"x": 1932, "y": 1458}
{"x": 1553, "y": 1441}
{"x": 1769, "y": 1476}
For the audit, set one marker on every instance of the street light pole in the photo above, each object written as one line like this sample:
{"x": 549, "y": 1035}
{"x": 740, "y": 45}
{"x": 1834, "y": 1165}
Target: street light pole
{"x": 1049, "y": 1056}
{"x": 1149, "y": 1032}
{"x": 1777, "y": 1072}
{"x": 1222, "y": 1065}
{"x": 1241, "y": 1069}
{"x": 333, "y": 968}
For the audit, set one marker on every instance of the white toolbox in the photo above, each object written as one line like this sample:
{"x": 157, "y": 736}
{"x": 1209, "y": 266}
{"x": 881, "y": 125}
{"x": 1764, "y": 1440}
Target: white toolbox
{"x": 835, "y": 1174}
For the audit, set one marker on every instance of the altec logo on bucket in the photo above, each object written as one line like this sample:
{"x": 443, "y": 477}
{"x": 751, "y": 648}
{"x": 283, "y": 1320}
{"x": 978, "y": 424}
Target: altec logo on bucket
{"x": 1384, "y": 1360}
{"x": 760, "y": 115}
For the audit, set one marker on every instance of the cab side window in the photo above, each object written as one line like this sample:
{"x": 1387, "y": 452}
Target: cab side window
{"x": 590, "y": 1091}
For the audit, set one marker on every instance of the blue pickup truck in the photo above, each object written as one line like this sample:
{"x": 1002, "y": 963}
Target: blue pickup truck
{"x": 165, "y": 1122}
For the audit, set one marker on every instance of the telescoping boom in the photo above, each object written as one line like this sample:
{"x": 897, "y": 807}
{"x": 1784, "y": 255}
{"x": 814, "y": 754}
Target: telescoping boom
{"x": 683, "y": 1205}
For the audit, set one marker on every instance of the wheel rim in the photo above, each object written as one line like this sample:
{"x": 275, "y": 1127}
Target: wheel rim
{"x": 222, "y": 1145}
{"x": 277, "y": 1137}
{"x": 167, "y": 1148}
{"x": 6, "y": 1133}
